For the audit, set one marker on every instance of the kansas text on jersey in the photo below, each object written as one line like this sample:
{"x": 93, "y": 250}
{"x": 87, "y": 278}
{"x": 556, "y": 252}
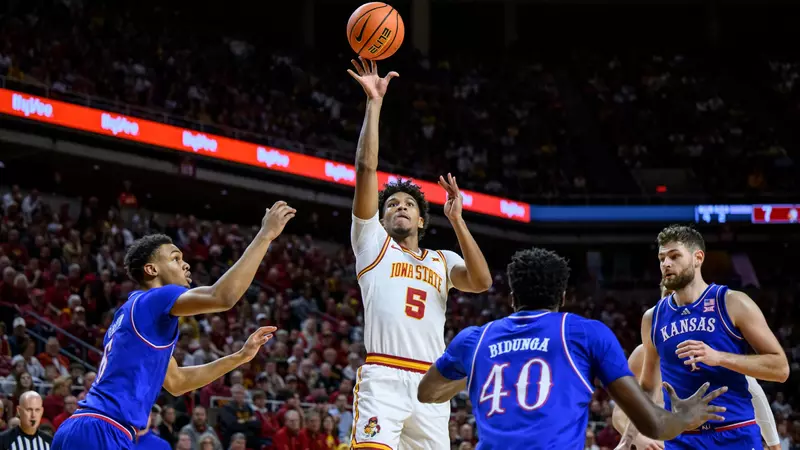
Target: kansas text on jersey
{"x": 706, "y": 320}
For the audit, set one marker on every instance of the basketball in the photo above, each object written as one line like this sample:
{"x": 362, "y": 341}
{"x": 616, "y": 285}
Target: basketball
{"x": 375, "y": 30}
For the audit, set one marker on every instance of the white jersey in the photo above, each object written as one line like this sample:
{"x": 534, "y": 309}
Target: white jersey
{"x": 404, "y": 295}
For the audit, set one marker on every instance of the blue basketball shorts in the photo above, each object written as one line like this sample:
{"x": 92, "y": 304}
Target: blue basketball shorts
{"x": 92, "y": 431}
{"x": 732, "y": 437}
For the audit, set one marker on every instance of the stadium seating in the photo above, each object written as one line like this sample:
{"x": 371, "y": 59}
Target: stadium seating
{"x": 61, "y": 262}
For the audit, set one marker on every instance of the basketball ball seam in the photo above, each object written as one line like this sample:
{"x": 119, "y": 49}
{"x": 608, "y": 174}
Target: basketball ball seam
{"x": 350, "y": 35}
{"x": 374, "y": 31}
{"x": 396, "y": 28}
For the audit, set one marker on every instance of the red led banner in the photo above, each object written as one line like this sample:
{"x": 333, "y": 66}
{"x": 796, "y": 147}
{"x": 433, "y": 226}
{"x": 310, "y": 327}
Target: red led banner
{"x": 158, "y": 134}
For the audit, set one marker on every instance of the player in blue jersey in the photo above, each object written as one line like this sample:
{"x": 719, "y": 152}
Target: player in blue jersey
{"x": 700, "y": 334}
{"x": 530, "y": 376}
{"x": 764, "y": 417}
{"x": 137, "y": 358}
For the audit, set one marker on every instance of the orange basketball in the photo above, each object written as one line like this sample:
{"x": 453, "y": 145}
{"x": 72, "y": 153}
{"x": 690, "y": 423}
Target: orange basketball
{"x": 375, "y": 30}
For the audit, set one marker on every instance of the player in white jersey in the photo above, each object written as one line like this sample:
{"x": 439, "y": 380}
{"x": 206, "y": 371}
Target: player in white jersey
{"x": 764, "y": 416}
{"x": 404, "y": 289}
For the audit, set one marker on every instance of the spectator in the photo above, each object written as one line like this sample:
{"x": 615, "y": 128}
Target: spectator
{"x": 166, "y": 430}
{"x": 353, "y": 363}
{"x": 88, "y": 380}
{"x": 238, "y": 417}
{"x": 70, "y": 406}
{"x": 23, "y": 383}
{"x": 54, "y": 403}
{"x": 238, "y": 442}
{"x": 185, "y": 443}
{"x": 32, "y": 365}
{"x": 313, "y": 431}
{"x": 52, "y": 355}
{"x": 781, "y": 409}
{"x": 330, "y": 433}
{"x": 262, "y": 415}
{"x": 19, "y": 339}
{"x": 783, "y": 434}
{"x": 206, "y": 443}
{"x": 217, "y": 388}
{"x": 199, "y": 429}
{"x": 343, "y": 418}
{"x": 289, "y": 436}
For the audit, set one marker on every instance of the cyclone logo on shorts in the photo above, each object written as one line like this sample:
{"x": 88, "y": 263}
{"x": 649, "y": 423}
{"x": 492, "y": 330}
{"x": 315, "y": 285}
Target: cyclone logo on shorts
{"x": 372, "y": 427}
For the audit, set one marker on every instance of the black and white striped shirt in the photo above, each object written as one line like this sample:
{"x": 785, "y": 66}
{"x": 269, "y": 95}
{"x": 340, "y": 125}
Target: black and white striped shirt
{"x": 16, "y": 439}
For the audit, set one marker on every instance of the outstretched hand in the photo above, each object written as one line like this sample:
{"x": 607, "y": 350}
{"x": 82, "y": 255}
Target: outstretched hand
{"x": 453, "y": 205}
{"x": 696, "y": 409}
{"x": 367, "y": 76}
{"x": 275, "y": 219}
{"x": 256, "y": 341}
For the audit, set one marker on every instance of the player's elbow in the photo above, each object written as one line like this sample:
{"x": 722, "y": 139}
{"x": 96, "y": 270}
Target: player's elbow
{"x": 173, "y": 388}
{"x": 426, "y": 394}
{"x": 173, "y": 383}
{"x": 483, "y": 283}
{"x": 782, "y": 374}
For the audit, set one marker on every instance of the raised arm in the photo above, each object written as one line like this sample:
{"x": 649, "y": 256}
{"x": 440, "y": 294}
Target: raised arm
{"x": 232, "y": 285}
{"x": 365, "y": 201}
{"x": 180, "y": 380}
{"x": 473, "y": 275}
{"x": 769, "y": 363}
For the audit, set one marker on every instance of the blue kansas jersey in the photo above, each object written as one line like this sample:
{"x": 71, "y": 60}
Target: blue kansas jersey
{"x": 704, "y": 320}
{"x": 137, "y": 349}
{"x": 530, "y": 377}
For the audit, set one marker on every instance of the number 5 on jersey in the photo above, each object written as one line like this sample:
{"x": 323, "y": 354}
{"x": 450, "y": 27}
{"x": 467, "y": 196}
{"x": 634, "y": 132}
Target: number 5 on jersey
{"x": 492, "y": 390}
{"x": 103, "y": 362}
{"x": 415, "y": 303}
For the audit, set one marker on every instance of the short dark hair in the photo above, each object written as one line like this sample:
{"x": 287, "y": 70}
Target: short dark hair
{"x": 682, "y": 234}
{"x": 393, "y": 187}
{"x": 141, "y": 252}
{"x": 538, "y": 278}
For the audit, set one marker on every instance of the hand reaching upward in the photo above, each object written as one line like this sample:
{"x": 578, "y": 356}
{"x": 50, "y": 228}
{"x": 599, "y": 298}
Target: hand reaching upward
{"x": 367, "y": 76}
{"x": 452, "y": 207}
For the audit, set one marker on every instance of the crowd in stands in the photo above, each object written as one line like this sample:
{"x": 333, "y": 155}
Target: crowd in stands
{"x": 547, "y": 122}
{"x": 63, "y": 274}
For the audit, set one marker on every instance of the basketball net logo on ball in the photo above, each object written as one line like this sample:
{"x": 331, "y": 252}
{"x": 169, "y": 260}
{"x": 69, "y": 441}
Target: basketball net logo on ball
{"x": 375, "y": 31}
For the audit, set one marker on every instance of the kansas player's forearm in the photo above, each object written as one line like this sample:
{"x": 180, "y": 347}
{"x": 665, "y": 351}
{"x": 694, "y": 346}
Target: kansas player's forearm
{"x": 435, "y": 388}
{"x": 231, "y": 286}
{"x": 365, "y": 202}
{"x": 477, "y": 277}
{"x": 767, "y": 367}
{"x": 645, "y": 416}
{"x": 180, "y": 380}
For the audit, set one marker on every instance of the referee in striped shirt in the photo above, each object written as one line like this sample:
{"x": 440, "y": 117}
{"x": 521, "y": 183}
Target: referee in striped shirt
{"x": 27, "y": 435}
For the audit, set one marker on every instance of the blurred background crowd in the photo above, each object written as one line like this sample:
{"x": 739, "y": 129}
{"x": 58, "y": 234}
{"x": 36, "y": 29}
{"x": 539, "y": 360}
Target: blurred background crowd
{"x": 549, "y": 129}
